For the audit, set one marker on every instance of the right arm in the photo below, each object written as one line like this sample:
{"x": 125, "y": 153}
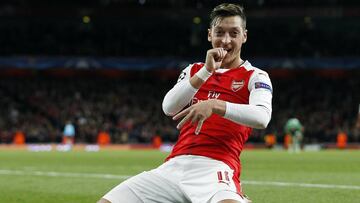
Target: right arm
{"x": 185, "y": 89}
{"x": 180, "y": 95}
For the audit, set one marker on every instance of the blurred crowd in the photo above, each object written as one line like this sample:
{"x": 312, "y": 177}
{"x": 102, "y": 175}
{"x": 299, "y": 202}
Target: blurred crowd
{"x": 129, "y": 109}
{"x": 325, "y": 106}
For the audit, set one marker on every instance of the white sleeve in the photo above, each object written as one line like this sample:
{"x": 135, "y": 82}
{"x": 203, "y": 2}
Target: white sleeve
{"x": 257, "y": 113}
{"x": 180, "y": 95}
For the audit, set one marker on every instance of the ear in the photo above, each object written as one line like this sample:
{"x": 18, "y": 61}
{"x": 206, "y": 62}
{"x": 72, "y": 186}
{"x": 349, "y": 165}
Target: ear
{"x": 245, "y": 36}
{"x": 209, "y": 35}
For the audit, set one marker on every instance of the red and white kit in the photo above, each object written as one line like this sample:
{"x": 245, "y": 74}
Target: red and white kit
{"x": 220, "y": 138}
{"x": 205, "y": 167}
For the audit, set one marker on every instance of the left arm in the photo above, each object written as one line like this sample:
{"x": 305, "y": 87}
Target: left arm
{"x": 257, "y": 113}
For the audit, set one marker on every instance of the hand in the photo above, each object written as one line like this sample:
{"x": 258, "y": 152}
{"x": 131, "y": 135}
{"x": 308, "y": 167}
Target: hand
{"x": 196, "y": 113}
{"x": 214, "y": 58}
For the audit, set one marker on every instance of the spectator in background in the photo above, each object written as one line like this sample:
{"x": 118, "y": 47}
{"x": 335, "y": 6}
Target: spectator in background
{"x": 294, "y": 128}
{"x": 19, "y": 138}
{"x": 103, "y": 138}
{"x": 356, "y": 129}
{"x": 341, "y": 140}
{"x": 69, "y": 134}
{"x": 270, "y": 140}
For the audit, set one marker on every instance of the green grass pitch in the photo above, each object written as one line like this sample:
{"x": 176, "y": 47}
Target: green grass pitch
{"x": 268, "y": 176}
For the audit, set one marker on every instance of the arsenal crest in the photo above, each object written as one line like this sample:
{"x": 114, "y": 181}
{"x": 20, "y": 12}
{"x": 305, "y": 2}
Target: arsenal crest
{"x": 237, "y": 85}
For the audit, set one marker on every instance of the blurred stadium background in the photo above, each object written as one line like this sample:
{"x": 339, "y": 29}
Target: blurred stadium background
{"x": 105, "y": 65}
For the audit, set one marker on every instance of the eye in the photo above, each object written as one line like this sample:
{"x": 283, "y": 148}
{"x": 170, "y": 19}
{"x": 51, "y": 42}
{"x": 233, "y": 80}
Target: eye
{"x": 219, "y": 33}
{"x": 235, "y": 33}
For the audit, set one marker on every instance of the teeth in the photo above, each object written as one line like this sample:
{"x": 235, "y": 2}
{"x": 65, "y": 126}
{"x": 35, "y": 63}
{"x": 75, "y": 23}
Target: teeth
{"x": 226, "y": 49}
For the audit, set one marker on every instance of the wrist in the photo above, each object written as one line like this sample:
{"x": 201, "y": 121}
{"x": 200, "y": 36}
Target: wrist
{"x": 218, "y": 106}
{"x": 210, "y": 70}
{"x": 203, "y": 73}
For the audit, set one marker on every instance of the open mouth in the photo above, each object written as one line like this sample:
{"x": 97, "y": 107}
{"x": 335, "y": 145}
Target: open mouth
{"x": 227, "y": 49}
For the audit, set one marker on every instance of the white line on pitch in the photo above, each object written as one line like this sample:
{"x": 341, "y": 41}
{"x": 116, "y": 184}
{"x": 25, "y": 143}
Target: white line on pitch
{"x": 62, "y": 174}
{"x": 123, "y": 177}
{"x": 309, "y": 185}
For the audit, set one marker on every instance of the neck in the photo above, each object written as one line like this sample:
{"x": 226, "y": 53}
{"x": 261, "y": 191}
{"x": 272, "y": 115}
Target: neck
{"x": 233, "y": 64}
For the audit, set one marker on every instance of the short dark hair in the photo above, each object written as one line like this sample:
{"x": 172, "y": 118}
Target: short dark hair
{"x": 227, "y": 10}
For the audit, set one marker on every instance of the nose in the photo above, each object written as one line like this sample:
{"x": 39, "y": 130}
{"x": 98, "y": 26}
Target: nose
{"x": 226, "y": 38}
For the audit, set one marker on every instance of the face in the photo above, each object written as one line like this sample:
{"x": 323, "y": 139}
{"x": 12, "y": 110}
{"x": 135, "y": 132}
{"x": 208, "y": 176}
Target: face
{"x": 229, "y": 34}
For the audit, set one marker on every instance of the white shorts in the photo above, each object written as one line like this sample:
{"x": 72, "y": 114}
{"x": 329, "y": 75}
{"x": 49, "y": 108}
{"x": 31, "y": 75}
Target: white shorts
{"x": 183, "y": 179}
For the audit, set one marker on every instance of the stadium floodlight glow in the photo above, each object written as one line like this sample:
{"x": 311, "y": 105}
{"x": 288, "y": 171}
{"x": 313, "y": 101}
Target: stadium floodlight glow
{"x": 196, "y": 20}
{"x": 86, "y": 19}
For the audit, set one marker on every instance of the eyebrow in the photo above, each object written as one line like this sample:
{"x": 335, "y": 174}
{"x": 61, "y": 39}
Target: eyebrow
{"x": 232, "y": 28}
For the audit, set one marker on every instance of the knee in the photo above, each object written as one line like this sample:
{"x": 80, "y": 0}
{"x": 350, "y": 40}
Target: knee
{"x": 245, "y": 200}
{"x": 102, "y": 200}
{"x": 229, "y": 197}
{"x": 229, "y": 201}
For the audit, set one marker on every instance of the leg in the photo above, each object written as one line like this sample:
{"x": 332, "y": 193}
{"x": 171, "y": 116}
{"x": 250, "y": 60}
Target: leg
{"x": 229, "y": 201}
{"x": 235, "y": 201}
{"x": 145, "y": 187}
{"x": 298, "y": 142}
{"x": 102, "y": 200}
{"x": 122, "y": 192}
{"x": 229, "y": 197}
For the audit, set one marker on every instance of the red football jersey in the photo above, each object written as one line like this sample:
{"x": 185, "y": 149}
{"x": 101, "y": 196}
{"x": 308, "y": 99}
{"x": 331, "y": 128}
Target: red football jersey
{"x": 219, "y": 138}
